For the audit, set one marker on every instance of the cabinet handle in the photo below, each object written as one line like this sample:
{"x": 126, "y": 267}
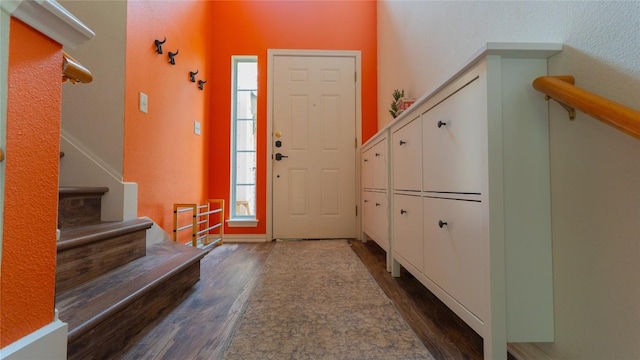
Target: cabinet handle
{"x": 403, "y": 211}
{"x": 402, "y": 142}
{"x": 441, "y": 223}
{"x": 442, "y": 123}
{"x": 377, "y": 155}
{"x": 377, "y": 204}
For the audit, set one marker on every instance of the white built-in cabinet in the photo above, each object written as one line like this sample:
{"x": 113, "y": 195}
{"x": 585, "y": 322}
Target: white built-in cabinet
{"x": 375, "y": 191}
{"x": 469, "y": 179}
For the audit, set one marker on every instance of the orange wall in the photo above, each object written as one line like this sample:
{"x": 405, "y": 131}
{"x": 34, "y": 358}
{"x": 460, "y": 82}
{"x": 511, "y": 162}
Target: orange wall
{"x": 252, "y": 27}
{"x": 31, "y": 183}
{"x": 161, "y": 152}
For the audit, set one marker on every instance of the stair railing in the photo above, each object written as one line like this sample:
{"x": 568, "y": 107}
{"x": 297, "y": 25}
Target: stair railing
{"x": 73, "y": 71}
{"x": 571, "y": 97}
{"x": 202, "y": 232}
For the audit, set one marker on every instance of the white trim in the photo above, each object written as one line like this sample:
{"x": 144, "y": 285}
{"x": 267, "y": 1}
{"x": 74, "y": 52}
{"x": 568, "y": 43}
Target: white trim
{"x": 240, "y": 222}
{"x": 236, "y": 222}
{"x": 48, "y": 342}
{"x": 51, "y": 19}
{"x": 271, "y": 53}
{"x": 65, "y": 136}
{"x": 81, "y": 167}
{"x": 244, "y": 238}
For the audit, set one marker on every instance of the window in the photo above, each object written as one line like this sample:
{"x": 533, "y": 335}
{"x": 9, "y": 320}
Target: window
{"x": 243, "y": 140}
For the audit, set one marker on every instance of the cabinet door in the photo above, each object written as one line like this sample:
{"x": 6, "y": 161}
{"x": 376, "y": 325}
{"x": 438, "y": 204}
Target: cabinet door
{"x": 407, "y": 229}
{"x": 407, "y": 157}
{"x": 380, "y": 219}
{"x": 456, "y": 251}
{"x": 380, "y": 165}
{"x": 367, "y": 215}
{"x": 367, "y": 168}
{"x": 454, "y": 135}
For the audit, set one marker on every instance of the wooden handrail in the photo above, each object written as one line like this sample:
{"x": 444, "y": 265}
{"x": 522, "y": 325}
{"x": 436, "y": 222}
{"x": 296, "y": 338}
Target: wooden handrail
{"x": 563, "y": 90}
{"x": 74, "y": 72}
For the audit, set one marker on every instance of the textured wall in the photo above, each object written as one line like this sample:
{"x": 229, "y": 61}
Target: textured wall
{"x": 93, "y": 114}
{"x": 161, "y": 152}
{"x": 262, "y": 25}
{"x": 31, "y": 183}
{"x": 595, "y": 169}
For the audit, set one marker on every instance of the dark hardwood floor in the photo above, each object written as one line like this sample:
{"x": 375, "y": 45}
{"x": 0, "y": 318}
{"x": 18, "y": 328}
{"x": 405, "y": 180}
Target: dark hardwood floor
{"x": 199, "y": 327}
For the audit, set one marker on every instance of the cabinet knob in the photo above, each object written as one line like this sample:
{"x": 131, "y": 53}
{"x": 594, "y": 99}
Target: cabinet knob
{"x": 366, "y": 201}
{"x": 441, "y": 123}
{"x": 377, "y": 204}
{"x": 402, "y": 142}
{"x": 403, "y": 211}
{"x": 365, "y": 160}
{"x": 377, "y": 154}
{"x": 441, "y": 223}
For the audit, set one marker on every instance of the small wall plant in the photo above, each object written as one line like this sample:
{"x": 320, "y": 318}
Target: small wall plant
{"x": 397, "y": 95}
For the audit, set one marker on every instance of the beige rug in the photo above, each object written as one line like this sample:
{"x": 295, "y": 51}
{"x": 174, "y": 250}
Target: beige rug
{"x": 316, "y": 300}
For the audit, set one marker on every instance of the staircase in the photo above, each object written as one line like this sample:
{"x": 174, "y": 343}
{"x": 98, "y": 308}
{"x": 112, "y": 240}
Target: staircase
{"x": 109, "y": 283}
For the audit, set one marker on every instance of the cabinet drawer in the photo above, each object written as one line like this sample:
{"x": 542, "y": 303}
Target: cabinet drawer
{"x": 456, "y": 251}
{"x": 454, "y": 132}
{"x": 407, "y": 156}
{"x": 407, "y": 229}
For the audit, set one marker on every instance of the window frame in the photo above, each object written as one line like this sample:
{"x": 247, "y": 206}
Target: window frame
{"x": 236, "y": 220}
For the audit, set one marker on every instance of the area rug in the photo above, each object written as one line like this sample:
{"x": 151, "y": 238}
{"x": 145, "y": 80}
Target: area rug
{"x": 316, "y": 300}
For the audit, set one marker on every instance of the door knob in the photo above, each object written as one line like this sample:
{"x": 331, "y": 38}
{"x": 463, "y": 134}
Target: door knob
{"x": 280, "y": 156}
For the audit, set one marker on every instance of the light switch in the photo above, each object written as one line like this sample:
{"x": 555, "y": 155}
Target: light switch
{"x": 196, "y": 127}
{"x": 144, "y": 102}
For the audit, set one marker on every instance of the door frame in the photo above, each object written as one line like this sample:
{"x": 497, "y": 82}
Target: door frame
{"x": 271, "y": 54}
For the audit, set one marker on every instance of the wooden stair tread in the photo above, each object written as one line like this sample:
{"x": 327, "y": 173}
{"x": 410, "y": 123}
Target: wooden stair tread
{"x": 80, "y": 190}
{"x": 84, "y": 234}
{"x": 88, "y": 305}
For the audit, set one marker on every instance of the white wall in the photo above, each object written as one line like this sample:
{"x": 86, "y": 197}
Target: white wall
{"x": 595, "y": 169}
{"x": 93, "y": 114}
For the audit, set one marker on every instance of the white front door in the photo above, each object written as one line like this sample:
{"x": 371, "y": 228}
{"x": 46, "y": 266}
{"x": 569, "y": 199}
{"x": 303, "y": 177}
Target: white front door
{"x": 314, "y": 131}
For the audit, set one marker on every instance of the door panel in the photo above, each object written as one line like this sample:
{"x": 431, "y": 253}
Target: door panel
{"x": 314, "y": 119}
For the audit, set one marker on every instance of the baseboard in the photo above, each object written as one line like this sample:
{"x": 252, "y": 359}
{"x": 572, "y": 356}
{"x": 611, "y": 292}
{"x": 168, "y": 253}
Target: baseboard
{"x": 245, "y": 238}
{"x": 527, "y": 351}
{"x": 48, "y": 342}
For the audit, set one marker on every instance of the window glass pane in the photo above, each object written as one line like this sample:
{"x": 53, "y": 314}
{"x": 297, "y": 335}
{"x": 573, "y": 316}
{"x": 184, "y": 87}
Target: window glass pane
{"x": 243, "y": 156}
{"x": 247, "y": 75}
{"x": 245, "y": 168}
{"x": 246, "y": 104}
{"x": 245, "y": 135}
{"x": 245, "y": 198}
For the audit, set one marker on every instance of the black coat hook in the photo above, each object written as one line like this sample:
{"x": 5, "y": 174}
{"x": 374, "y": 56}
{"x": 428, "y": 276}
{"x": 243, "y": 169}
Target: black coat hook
{"x": 201, "y": 84}
{"x": 159, "y": 45}
{"x": 192, "y": 75}
{"x": 172, "y": 61}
